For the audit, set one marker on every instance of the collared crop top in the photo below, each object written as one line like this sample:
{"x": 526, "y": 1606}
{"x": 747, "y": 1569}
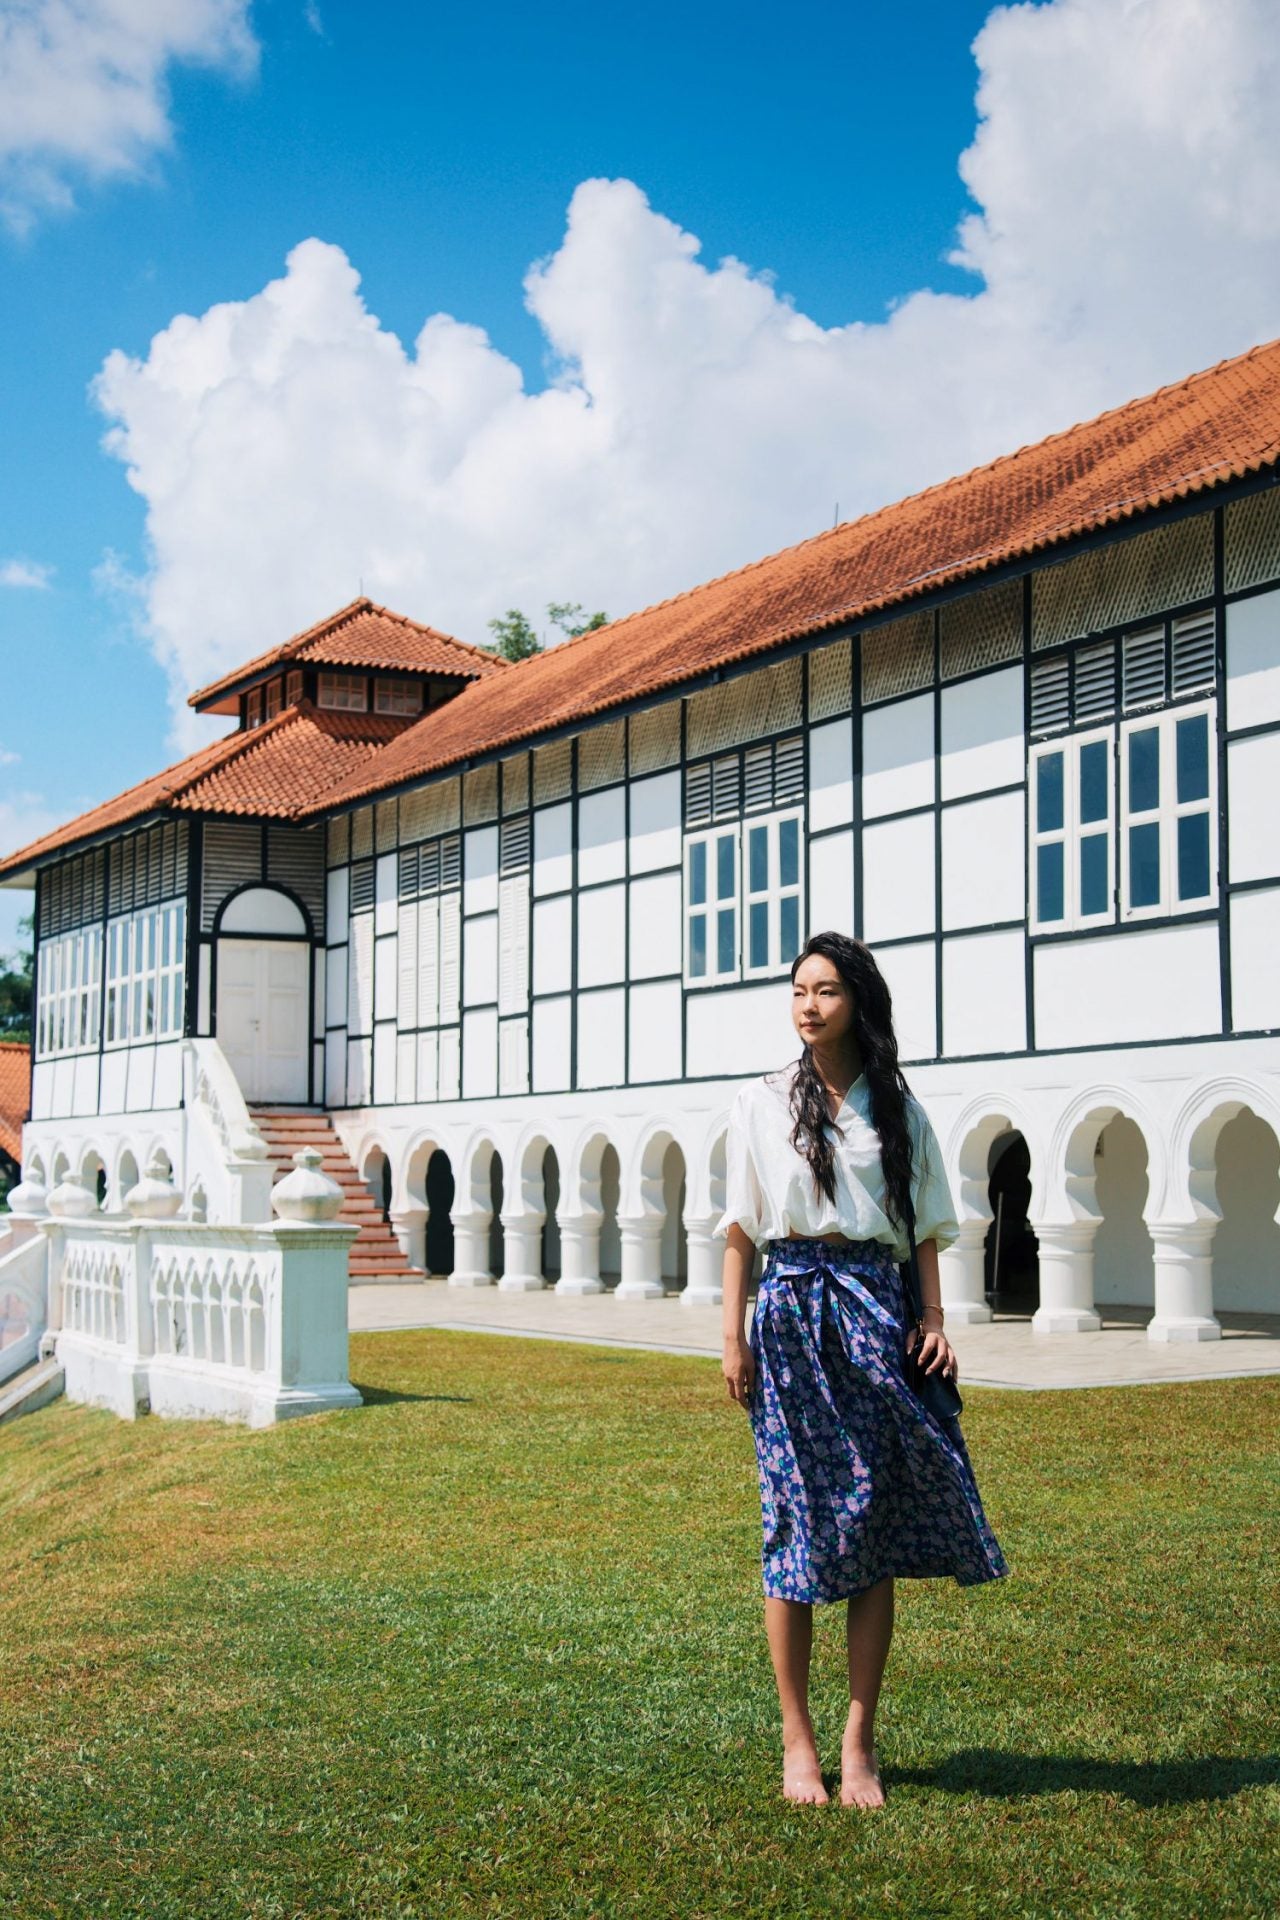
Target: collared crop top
{"x": 770, "y": 1190}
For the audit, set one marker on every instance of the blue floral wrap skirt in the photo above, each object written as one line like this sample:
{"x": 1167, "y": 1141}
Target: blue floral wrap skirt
{"x": 858, "y": 1481}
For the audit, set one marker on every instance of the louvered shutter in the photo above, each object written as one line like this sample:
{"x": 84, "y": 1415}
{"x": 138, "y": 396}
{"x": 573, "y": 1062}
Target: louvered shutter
{"x": 1050, "y": 695}
{"x": 1144, "y": 668}
{"x": 788, "y": 770}
{"x": 407, "y": 967}
{"x": 1193, "y": 652}
{"x": 513, "y": 944}
{"x": 360, "y": 976}
{"x": 450, "y": 957}
{"x": 1095, "y": 683}
{"x": 697, "y": 795}
{"x": 428, "y": 962}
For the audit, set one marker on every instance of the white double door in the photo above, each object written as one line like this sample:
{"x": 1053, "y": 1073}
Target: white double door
{"x": 263, "y": 1016}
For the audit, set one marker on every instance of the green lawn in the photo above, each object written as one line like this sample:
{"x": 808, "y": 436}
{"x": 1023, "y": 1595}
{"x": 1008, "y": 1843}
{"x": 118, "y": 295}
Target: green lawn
{"x": 492, "y": 1645}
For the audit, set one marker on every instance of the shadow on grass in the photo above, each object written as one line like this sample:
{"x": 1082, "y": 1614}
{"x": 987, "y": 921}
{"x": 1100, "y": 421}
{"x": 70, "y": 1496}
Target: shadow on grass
{"x": 382, "y": 1396}
{"x": 1150, "y": 1783}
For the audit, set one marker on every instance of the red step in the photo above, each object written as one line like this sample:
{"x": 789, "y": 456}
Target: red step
{"x": 375, "y": 1251}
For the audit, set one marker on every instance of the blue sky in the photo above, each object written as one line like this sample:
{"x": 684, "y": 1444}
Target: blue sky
{"x": 439, "y": 150}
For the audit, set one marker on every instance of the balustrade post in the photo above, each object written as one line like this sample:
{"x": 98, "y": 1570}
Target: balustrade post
{"x": 962, "y": 1273}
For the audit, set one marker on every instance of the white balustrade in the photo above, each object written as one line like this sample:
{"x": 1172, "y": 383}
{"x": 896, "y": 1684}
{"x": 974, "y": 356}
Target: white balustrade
{"x": 225, "y": 1153}
{"x": 24, "y": 1303}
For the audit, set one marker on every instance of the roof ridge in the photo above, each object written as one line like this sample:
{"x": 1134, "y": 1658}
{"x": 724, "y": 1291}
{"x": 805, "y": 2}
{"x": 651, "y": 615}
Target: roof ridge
{"x": 921, "y": 493}
{"x": 438, "y": 633}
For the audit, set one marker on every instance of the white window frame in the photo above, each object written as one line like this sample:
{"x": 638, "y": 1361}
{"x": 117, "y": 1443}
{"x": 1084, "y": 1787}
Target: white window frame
{"x": 709, "y": 909}
{"x": 69, "y": 993}
{"x": 145, "y": 986}
{"x": 772, "y": 894}
{"x": 397, "y": 696}
{"x": 1169, "y": 811}
{"x": 1072, "y": 830}
{"x": 343, "y": 692}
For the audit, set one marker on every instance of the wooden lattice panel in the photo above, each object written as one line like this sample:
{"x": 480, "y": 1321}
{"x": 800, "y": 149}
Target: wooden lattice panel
{"x": 981, "y": 630}
{"x": 602, "y": 755}
{"x": 1251, "y": 539}
{"x": 480, "y": 795}
{"x": 552, "y": 771}
{"x": 897, "y": 658}
{"x": 362, "y": 833}
{"x": 655, "y": 738}
{"x": 339, "y": 841}
{"x": 429, "y": 811}
{"x": 1128, "y": 581}
{"x": 385, "y": 825}
{"x": 831, "y": 680}
{"x": 515, "y": 783}
{"x": 745, "y": 708}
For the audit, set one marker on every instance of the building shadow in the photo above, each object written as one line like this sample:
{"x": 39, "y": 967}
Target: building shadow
{"x": 382, "y": 1396}
{"x": 997, "y": 1774}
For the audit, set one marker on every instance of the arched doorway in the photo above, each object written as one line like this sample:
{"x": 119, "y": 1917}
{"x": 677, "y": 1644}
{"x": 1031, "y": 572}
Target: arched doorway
{"x": 263, "y": 1003}
{"x": 1123, "y": 1266}
{"x": 497, "y": 1238}
{"x": 1246, "y": 1246}
{"x": 675, "y": 1245}
{"x": 610, "y": 1233}
{"x": 551, "y": 1207}
{"x": 440, "y": 1188}
{"x": 1012, "y": 1264}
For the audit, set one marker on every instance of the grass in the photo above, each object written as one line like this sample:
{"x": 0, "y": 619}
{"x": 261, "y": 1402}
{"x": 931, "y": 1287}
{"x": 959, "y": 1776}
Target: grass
{"x": 491, "y": 1645}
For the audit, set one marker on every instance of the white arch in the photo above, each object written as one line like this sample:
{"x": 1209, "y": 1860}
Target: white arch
{"x": 1071, "y": 1180}
{"x": 1191, "y": 1190}
{"x": 968, "y": 1152}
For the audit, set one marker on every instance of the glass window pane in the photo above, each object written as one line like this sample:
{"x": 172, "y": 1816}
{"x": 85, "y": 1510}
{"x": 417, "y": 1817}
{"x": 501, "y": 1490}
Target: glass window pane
{"x": 1193, "y": 758}
{"x": 697, "y": 946}
{"x": 725, "y": 876}
{"x": 698, "y": 874}
{"x": 789, "y": 853}
{"x": 1049, "y": 816}
{"x": 1144, "y": 865}
{"x": 759, "y": 934}
{"x": 1144, "y": 769}
{"x": 1093, "y": 781}
{"x": 1093, "y": 873}
{"x": 758, "y": 859}
{"x": 1049, "y": 882}
{"x": 789, "y": 929}
{"x": 726, "y": 940}
{"x": 1193, "y": 856}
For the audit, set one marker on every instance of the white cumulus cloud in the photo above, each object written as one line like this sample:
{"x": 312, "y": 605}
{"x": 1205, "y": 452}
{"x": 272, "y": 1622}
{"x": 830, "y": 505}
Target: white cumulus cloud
{"x": 83, "y": 88}
{"x": 25, "y": 573}
{"x": 1126, "y": 175}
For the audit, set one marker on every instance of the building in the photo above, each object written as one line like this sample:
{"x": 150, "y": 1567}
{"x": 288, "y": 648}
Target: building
{"x": 519, "y": 930}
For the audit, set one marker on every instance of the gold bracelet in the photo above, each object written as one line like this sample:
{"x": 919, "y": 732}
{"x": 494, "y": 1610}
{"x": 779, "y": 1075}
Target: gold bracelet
{"x": 932, "y": 1309}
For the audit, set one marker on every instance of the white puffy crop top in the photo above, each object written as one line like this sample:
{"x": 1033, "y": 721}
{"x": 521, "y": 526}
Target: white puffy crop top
{"x": 770, "y": 1191}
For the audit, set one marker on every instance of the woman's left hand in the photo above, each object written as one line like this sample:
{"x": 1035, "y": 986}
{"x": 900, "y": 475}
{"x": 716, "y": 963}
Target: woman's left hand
{"x": 936, "y": 1352}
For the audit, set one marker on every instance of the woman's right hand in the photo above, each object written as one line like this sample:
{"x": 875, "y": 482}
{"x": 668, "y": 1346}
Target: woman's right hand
{"x": 739, "y": 1369}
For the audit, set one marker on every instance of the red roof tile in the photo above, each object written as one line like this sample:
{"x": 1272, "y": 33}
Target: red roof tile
{"x": 365, "y": 635}
{"x": 15, "y": 1095}
{"x": 273, "y": 771}
{"x": 1212, "y": 427}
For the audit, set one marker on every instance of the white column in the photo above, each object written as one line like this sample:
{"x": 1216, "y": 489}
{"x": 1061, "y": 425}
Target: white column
{"x": 962, "y": 1273}
{"x": 522, "y": 1264}
{"x": 580, "y": 1254}
{"x": 471, "y": 1250}
{"x": 1066, "y": 1278}
{"x": 705, "y": 1257}
{"x": 1184, "y": 1280}
{"x": 641, "y": 1257}
{"x": 409, "y": 1224}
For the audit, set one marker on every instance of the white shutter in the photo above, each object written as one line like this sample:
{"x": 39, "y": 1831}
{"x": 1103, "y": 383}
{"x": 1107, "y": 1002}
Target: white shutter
{"x": 407, "y": 969}
{"x": 428, "y": 1066}
{"x": 513, "y": 1056}
{"x": 406, "y": 1064}
{"x": 428, "y": 962}
{"x": 360, "y": 976}
{"x": 450, "y": 1060}
{"x": 450, "y": 958}
{"x": 513, "y": 944}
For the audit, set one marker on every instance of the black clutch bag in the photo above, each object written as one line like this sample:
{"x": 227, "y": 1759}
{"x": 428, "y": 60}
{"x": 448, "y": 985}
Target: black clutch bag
{"x": 935, "y": 1391}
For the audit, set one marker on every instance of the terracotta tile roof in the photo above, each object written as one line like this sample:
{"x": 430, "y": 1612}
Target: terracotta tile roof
{"x": 15, "y": 1095}
{"x": 273, "y": 771}
{"x": 1214, "y": 426}
{"x": 366, "y": 635}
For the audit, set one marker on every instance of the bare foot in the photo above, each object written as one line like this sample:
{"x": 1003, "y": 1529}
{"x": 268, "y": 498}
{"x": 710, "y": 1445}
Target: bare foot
{"x": 859, "y": 1775}
{"x": 801, "y": 1773}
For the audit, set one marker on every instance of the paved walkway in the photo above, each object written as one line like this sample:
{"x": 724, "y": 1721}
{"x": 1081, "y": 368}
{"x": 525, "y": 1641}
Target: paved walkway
{"x": 1004, "y": 1353}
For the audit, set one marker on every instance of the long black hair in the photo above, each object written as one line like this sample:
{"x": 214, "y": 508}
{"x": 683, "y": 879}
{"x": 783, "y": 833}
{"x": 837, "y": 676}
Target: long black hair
{"x": 877, "y": 1043}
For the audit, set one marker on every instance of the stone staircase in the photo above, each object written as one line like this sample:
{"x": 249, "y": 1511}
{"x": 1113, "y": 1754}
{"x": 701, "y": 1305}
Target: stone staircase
{"x": 375, "y": 1252}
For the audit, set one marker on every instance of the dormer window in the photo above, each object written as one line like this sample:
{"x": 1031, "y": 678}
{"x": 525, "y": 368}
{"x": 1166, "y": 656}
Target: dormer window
{"x": 253, "y": 707}
{"x": 349, "y": 692}
{"x": 293, "y": 687}
{"x": 397, "y": 696}
{"x": 275, "y": 689}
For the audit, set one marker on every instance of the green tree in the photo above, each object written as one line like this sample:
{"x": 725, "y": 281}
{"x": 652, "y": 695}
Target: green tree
{"x": 516, "y": 639}
{"x": 15, "y": 988}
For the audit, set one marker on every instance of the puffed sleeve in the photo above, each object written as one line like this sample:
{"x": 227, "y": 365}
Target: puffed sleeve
{"x": 744, "y": 1201}
{"x": 931, "y": 1192}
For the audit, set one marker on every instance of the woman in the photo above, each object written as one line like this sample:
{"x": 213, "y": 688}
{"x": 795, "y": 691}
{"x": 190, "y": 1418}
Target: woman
{"x": 827, "y": 1162}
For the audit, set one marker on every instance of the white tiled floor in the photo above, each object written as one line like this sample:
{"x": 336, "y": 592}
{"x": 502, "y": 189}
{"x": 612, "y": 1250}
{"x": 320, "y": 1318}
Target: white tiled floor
{"x": 1003, "y": 1354}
